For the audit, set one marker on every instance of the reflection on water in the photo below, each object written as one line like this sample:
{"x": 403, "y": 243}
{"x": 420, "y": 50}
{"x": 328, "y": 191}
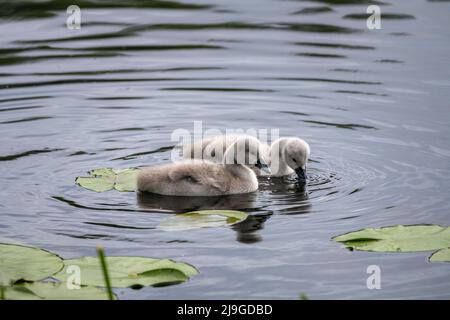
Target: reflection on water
{"x": 373, "y": 104}
{"x": 247, "y": 230}
{"x": 286, "y": 189}
{"x": 185, "y": 204}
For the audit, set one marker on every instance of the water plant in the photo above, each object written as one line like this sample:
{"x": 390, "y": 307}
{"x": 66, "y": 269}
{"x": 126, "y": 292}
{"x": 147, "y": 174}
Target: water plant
{"x": 442, "y": 255}
{"x": 105, "y": 179}
{"x": 47, "y": 290}
{"x": 125, "y": 272}
{"x": 303, "y": 296}
{"x": 26, "y": 273}
{"x": 101, "y": 257}
{"x": 202, "y": 219}
{"x": 400, "y": 238}
{"x": 22, "y": 263}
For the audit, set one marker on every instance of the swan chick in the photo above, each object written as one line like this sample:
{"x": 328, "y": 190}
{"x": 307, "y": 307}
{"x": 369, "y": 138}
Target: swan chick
{"x": 196, "y": 177}
{"x": 289, "y": 155}
{"x": 285, "y": 155}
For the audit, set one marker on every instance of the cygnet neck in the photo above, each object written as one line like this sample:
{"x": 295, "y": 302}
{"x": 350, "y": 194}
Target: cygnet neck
{"x": 278, "y": 162}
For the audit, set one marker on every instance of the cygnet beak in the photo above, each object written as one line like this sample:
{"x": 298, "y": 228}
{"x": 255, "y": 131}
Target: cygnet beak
{"x": 301, "y": 175}
{"x": 262, "y": 165}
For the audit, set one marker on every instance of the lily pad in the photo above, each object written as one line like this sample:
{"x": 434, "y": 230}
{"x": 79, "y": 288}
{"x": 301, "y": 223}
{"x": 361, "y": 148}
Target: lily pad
{"x": 202, "y": 219}
{"x": 398, "y": 238}
{"x": 130, "y": 271}
{"x": 105, "y": 179}
{"x": 52, "y": 291}
{"x": 442, "y": 255}
{"x": 126, "y": 180}
{"x": 26, "y": 263}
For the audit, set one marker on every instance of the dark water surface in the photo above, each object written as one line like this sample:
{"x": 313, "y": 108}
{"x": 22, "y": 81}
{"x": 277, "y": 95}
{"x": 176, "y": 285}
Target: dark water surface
{"x": 373, "y": 104}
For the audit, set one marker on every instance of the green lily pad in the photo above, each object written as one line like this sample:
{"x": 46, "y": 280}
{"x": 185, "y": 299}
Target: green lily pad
{"x": 398, "y": 238}
{"x": 126, "y": 180}
{"x": 105, "y": 179}
{"x": 442, "y": 255}
{"x": 130, "y": 271}
{"x": 26, "y": 263}
{"x": 202, "y": 219}
{"x": 52, "y": 291}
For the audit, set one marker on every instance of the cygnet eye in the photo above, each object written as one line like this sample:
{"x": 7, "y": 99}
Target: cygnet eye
{"x": 191, "y": 179}
{"x": 294, "y": 160}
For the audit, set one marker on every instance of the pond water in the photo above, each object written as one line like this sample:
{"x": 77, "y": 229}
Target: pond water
{"x": 373, "y": 104}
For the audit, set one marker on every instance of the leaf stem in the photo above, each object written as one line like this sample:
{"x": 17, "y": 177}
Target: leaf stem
{"x": 101, "y": 256}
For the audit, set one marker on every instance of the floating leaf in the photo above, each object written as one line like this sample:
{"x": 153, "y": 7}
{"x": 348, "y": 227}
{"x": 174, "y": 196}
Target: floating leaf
{"x": 27, "y": 263}
{"x": 398, "y": 238}
{"x": 52, "y": 291}
{"x": 97, "y": 184}
{"x": 202, "y": 219}
{"x": 130, "y": 271}
{"x": 442, "y": 255}
{"x": 104, "y": 172}
{"x": 126, "y": 179}
{"x": 104, "y": 179}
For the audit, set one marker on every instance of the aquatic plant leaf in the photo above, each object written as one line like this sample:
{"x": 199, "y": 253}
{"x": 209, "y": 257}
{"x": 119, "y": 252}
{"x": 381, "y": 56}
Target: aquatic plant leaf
{"x": 52, "y": 291}
{"x": 442, "y": 255}
{"x": 398, "y": 238}
{"x": 26, "y": 263}
{"x": 130, "y": 271}
{"x": 126, "y": 180}
{"x": 104, "y": 172}
{"x": 97, "y": 184}
{"x": 105, "y": 179}
{"x": 202, "y": 219}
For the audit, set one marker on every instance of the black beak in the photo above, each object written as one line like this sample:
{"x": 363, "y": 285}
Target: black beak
{"x": 263, "y": 166}
{"x": 301, "y": 175}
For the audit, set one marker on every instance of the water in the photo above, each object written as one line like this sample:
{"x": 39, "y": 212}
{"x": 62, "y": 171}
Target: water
{"x": 373, "y": 104}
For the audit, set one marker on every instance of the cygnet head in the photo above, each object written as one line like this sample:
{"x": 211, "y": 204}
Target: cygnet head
{"x": 247, "y": 151}
{"x": 296, "y": 154}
